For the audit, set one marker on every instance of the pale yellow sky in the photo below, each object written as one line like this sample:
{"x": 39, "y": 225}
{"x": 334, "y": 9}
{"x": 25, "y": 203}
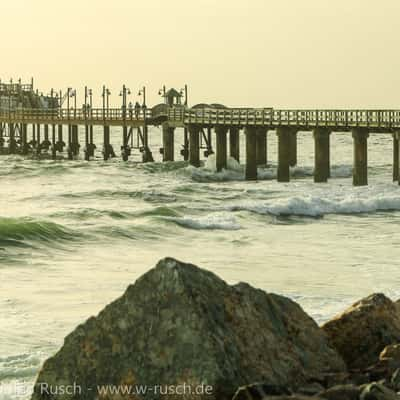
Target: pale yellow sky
{"x": 280, "y": 53}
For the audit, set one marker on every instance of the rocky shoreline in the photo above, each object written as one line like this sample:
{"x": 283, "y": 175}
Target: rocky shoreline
{"x": 182, "y": 327}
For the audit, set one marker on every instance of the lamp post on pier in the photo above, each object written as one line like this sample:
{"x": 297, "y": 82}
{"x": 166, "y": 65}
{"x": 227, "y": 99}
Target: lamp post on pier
{"x": 105, "y": 95}
{"x": 147, "y": 156}
{"x": 125, "y": 149}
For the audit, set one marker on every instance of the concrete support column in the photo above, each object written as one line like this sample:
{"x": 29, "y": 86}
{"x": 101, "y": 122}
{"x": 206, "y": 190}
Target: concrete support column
{"x": 12, "y": 144}
{"x": 1, "y": 137}
{"x": 293, "y": 149}
{"x": 53, "y": 142}
{"x": 185, "y": 147}
{"x": 147, "y": 155}
{"x": 261, "y": 146}
{"x": 69, "y": 146}
{"x": 194, "y": 145}
{"x": 125, "y": 150}
{"x": 38, "y": 139}
{"x": 221, "y": 147}
{"x": 168, "y": 136}
{"x": 284, "y": 153}
{"x": 24, "y": 139}
{"x": 360, "y": 166}
{"x": 86, "y": 150}
{"x": 106, "y": 143}
{"x": 60, "y": 141}
{"x": 396, "y": 157}
{"x": 75, "y": 139}
{"x": 251, "y": 153}
{"x": 209, "y": 150}
{"x": 321, "y": 155}
{"x": 234, "y": 143}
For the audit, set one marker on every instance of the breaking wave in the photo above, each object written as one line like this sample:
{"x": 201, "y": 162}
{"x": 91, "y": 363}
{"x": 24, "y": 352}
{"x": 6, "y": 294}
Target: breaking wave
{"x": 215, "y": 221}
{"x": 317, "y": 205}
{"x": 236, "y": 171}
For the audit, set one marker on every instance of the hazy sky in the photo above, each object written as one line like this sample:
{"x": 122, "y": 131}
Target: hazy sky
{"x": 281, "y": 53}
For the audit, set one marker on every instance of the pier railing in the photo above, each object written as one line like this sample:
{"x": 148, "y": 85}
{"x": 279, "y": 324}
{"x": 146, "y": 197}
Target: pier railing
{"x": 346, "y": 119}
{"x": 268, "y": 117}
{"x": 78, "y": 115}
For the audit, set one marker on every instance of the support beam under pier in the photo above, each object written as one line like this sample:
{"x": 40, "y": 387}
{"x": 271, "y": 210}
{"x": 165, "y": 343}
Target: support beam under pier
{"x": 293, "y": 149}
{"x": 284, "y": 153}
{"x": 194, "y": 145}
{"x": 106, "y": 143}
{"x": 261, "y": 146}
{"x": 321, "y": 155}
{"x": 24, "y": 139}
{"x": 251, "y": 153}
{"x": 221, "y": 147}
{"x": 168, "y": 136}
{"x": 234, "y": 143}
{"x": 396, "y": 157}
{"x": 360, "y": 165}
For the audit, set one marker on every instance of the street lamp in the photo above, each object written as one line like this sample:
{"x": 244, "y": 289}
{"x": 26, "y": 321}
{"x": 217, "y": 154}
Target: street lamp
{"x": 105, "y": 95}
{"x": 142, "y": 92}
{"x": 162, "y": 92}
{"x": 71, "y": 93}
{"x": 124, "y": 94}
{"x": 184, "y": 92}
{"x": 88, "y": 93}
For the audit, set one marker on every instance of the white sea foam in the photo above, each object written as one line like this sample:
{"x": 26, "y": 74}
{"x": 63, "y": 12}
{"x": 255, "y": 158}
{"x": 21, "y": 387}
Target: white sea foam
{"x": 318, "y": 203}
{"x": 221, "y": 221}
{"x": 236, "y": 171}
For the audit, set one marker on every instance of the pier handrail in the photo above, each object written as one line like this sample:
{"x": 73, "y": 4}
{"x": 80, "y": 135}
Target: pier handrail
{"x": 268, "y": 117}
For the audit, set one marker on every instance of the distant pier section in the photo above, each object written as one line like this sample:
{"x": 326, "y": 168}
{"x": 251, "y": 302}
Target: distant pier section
{"x": 32, "y": 124}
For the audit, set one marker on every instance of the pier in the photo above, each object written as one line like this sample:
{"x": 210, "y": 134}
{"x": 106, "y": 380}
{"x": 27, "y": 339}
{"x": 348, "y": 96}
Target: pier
{"x": 32, "y": 124}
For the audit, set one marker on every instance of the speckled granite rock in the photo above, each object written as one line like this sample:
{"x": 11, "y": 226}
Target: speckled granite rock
{"x": 364, "y": 329}
{"x": 179, "y": 324}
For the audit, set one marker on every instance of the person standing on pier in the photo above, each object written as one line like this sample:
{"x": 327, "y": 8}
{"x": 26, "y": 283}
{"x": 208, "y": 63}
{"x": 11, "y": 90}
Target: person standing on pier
{"x": 137, "y": 110}
{"x": 130, "y": 107}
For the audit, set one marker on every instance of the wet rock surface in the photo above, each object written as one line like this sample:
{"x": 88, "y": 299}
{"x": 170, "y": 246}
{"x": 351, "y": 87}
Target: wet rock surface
{"x": 364, "y": 329}
{"x": 181, "y": 325}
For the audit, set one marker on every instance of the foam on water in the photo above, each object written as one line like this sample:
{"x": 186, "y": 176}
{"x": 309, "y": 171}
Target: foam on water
{"x": 221, "y": 221}
{"x": 236, "y": 172}
{"x": 341, "y": 200}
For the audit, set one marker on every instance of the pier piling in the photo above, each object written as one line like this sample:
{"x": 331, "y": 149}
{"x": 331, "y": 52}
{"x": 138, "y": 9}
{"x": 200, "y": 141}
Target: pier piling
{"x": 284, "y": 153}
{"x": 106, "y": 143}
{"x": 234, "y": 143}
{"x": 24, "y": 139}
{"x": 221, "y": 147}
{"x": 360, "y": 166}
{"x": 293, "y": 149}
{"x": 261, "y": 147}
{"x": 168, "y": 135}
{"x": 251, "y": 153}
{"x": 321, "y": 155}
{"x": 12, "y": 144}
{"x": 38, "y": 140}
{"x": 396, "y": 157}
{"x": 194, "y": 145}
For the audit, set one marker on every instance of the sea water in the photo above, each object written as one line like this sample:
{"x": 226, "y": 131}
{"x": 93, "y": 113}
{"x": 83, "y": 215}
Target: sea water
{"x": 75, "y": 234}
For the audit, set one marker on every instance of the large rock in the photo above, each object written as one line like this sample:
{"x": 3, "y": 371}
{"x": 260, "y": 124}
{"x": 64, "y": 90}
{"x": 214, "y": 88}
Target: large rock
{"x": 364, "y": 329}
{"x": 179, "y": 324}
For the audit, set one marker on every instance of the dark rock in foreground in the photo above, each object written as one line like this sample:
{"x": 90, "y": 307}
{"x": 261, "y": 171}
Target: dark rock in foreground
{"x": 364, "y": 329}
{"x": 179, "y": 324}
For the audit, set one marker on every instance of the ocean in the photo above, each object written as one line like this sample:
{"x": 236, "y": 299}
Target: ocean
{"x": 75, "y": 234}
